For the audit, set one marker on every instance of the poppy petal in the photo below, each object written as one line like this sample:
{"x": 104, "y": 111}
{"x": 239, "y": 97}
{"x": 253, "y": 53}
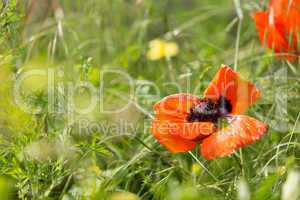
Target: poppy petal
{"x": 173, "y": 142}
{"x": 278, "y": 27}
{"x": 243, "y": 130}
{"x": 229, "y": 84}
{"x": 273, "y": 34}
{"x": 261, "y": 20}
{"x": 175, "y": 107}
{"x": 283, "y": 7}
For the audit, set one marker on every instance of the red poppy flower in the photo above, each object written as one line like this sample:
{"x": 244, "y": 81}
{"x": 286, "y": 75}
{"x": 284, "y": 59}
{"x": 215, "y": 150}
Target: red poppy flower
{"x": 183, "y": 121}
{"x": 279, "y": 27}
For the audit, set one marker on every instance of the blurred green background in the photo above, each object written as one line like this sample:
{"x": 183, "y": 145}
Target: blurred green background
{"x": 56, "y": 152}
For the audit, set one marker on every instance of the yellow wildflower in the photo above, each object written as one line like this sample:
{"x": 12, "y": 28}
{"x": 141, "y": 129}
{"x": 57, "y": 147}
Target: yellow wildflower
{"x": 160, "y": 49}
{"x": 95, "y": 169}
{"x": 281, "y": 170}
{"x": 196, "y": 169}
{"x": 124, "y": 196}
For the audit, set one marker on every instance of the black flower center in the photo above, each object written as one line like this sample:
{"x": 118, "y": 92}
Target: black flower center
{"x": 209, "y": 110}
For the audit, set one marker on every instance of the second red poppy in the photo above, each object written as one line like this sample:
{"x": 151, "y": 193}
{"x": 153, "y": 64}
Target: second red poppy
{"x": 279, "y": 27}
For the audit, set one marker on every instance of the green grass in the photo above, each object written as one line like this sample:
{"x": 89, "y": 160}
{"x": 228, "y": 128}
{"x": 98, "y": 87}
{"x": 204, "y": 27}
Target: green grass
{"x": 49, "y": 155}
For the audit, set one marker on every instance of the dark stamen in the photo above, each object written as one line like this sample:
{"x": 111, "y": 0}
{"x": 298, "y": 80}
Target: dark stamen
{"x": 210, "y": 111}
{"x": 225, "y": 106}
